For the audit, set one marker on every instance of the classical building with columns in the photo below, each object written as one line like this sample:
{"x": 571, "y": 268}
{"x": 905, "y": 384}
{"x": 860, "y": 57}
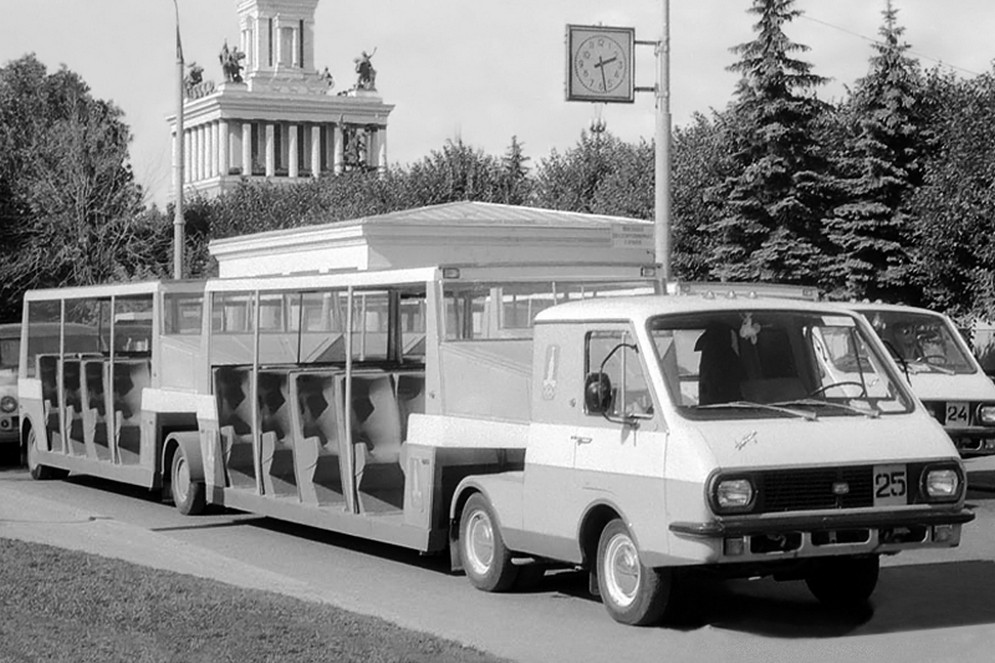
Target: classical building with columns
{"x": 275, "y": 117}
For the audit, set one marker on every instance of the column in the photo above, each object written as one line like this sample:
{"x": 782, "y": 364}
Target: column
{"x": 338, "y": 149}
{"x": 372, "y": 146}
{"x": 315, "y": 150}
{"x": 382, "y": 157}
{"x": 224, "y": 145}
{"x": 270, "y": 150}
{"x": 211, "y": 150}
{"x": 187, "y": 155}
{"x": 197, "y": 135}
{"x": 293, "y": 157}
{"x": 246, "y": 149}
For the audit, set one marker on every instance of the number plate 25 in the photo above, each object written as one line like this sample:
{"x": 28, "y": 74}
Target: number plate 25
{"x": 891, "y": 485}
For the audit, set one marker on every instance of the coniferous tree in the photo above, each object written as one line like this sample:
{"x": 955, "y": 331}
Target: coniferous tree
{"x": 515, "y": 183}
{"x": 882, "y": 163}
{"x": 775, "y": 190}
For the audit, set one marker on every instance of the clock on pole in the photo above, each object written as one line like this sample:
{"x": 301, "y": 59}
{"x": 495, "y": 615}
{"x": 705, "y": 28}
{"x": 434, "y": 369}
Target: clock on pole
{"x": 600, "y": 63}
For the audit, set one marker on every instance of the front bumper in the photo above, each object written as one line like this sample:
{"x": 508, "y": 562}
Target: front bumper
{"x": 763, "y": 538}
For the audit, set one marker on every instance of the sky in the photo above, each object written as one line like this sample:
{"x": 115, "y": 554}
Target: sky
{"x": 478, "y": 70}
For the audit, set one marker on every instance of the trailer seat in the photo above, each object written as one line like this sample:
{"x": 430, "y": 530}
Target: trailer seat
{"x": 94, "y": 402}
{"x": 73, "y": 405}
{"x": 130, "y": 377}
{"x": 276, "y": 433}
{"x": 232, "y": 390}
{"x": 315, "y": 422}
{"x": 377, "y": 436}
{"x": 48, "y": 371}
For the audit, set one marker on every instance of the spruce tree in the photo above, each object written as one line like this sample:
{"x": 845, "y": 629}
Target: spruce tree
{"x": 773, "y": 196}
{"x": 871, "y": 231}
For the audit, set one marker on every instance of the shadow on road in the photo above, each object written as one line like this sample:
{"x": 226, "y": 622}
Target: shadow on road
{"x": 908, "y": 598}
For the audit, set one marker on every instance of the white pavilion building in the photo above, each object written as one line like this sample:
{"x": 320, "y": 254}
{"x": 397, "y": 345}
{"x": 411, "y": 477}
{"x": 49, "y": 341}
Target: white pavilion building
{"x": 275, "y": 117}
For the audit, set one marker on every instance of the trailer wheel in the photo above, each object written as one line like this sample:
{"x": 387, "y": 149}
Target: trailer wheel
{"x": 632, "y": 593}
{"x": 486, "y": 560}
{"x": 38, "y": 471}
{"x": 188, "y": 495}
{"x": 843, "y": 582}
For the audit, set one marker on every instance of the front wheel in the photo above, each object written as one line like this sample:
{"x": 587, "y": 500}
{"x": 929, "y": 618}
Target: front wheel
{"x": 188, "y": 495}
{"x": 38, "y": 471}
{"x": 486, "y": 560}
{"x": 632, "y": 593}
{"x": 843, "y": 582}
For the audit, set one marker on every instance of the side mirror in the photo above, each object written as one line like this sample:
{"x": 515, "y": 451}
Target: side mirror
{"x": 598, "y": 393}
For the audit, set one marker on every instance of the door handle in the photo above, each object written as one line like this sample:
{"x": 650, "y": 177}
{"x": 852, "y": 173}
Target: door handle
{"x": 580, "y": 439}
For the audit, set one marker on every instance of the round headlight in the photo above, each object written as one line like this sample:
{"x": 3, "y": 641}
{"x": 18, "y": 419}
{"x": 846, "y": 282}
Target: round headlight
{"x": 8, "y": 404}
{"x": 986, "y": 415}
{"x": 942, "y": 484}
{"x": 734, "y": 494}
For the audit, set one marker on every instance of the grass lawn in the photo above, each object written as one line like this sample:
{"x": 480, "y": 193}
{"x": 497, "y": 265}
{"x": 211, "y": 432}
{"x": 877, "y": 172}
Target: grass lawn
{"x": 61, "y": 605}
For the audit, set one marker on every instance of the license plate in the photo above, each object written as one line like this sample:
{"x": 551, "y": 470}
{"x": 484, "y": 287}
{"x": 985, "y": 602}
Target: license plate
{"x": 958, "y": 415}
{"x": 891, "y": 485}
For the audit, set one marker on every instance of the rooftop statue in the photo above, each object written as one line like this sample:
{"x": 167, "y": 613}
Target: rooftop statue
{"x": 231, "y": 63}
{"x": 367, "y": 74}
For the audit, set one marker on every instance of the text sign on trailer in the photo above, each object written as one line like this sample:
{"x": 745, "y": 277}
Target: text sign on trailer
{"x": 600, "y": 64}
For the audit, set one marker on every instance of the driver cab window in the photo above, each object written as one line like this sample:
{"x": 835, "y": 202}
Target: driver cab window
{"x": 615, "y": 370}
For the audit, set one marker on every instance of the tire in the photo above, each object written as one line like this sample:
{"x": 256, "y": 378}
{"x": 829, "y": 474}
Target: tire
{"x": 38, "y": 471}
{"x": 632, "y": 593}
{"x": 843, "y": 582}
{"x": 486, "y": 559}
{"x": 189, "y": 496}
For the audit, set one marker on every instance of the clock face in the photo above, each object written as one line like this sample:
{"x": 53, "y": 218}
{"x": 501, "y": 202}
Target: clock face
{"x": 601, "y": 64}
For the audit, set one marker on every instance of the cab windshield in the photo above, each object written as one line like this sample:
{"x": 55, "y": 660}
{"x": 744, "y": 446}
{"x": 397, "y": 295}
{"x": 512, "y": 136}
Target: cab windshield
{"x": 923, "y": 343}
{"x": 752, "y": 364}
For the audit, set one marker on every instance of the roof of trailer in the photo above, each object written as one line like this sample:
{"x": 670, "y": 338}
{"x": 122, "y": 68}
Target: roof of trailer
{"x": 643, "y": 306}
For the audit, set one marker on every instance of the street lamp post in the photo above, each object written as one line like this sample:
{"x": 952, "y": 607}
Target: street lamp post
{"x": 178, "y": 155}
{"x": 662, "y": 170}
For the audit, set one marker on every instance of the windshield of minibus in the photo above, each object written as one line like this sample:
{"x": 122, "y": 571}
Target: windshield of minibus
{"x": 728, "y": 364}
{"x": 925, "y": 343}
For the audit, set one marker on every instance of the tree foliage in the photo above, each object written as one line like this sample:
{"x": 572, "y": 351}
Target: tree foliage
{"x": 68, "y": 201}
{"x": 954, "y": 208}
{"x": 775, "y": 188}
{"x": 881, "y": 164}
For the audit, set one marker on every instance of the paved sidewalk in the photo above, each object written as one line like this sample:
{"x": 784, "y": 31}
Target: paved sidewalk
{"x": 45, "y": 521}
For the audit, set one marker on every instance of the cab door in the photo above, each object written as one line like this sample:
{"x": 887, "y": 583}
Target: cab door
{"x": 620, "y": 441}
{"x": 577, "y": 457}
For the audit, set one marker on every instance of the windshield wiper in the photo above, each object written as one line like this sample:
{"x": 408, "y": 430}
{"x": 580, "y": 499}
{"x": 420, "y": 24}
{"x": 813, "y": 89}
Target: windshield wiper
{"x": 812, "y": 402}
{"x": 933, "y": 368}
{"x": 750, "y": 405}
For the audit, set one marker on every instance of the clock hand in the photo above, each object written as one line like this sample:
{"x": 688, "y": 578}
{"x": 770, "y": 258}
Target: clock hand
{"x": 601, "y": 65}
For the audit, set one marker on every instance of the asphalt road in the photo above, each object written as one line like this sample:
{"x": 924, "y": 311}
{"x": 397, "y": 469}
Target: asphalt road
{"x": 934, "y": 605}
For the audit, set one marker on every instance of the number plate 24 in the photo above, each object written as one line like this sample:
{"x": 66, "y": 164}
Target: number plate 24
{"x": 891, "y": 485}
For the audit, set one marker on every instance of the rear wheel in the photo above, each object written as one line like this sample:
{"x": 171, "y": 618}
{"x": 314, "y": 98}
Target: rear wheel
{"x": 843, "y": 582}
{"x": 38, "y": 471}
{"x": 486, "y": 559}
{"x": 632, "y": 593}
{"x": 188, "y": 495}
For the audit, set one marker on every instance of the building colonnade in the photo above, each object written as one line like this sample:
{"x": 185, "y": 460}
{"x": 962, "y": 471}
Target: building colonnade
{"x": 222, "y": 148}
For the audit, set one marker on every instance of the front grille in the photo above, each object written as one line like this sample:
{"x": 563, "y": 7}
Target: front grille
{"x": 812, "y": 489}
